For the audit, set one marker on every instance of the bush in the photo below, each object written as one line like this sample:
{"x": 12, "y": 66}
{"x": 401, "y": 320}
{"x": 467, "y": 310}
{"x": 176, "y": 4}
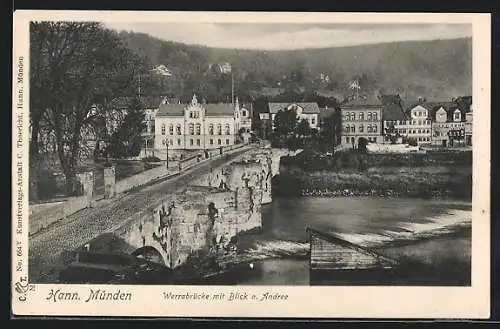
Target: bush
{"x": 151, "y": 159}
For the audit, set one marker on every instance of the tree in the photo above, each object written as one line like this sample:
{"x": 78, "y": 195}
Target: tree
{"x": 362, "y": 142}
{"x": 285, "y": 122}
{"x": 80, "y": 66}
{"x": 127, "y": 140}
{"x": 304, "y": 128}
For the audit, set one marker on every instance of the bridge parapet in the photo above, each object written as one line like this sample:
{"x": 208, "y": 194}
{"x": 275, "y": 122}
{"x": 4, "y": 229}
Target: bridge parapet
{"x": 206, "y": 214}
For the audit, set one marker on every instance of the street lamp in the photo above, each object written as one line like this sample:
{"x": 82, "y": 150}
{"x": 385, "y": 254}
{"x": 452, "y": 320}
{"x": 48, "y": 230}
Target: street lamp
{"x": 167, "y": 154}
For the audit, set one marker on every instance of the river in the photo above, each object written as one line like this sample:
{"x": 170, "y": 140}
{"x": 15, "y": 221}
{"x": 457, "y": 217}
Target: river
{"x": 435, "y": 232}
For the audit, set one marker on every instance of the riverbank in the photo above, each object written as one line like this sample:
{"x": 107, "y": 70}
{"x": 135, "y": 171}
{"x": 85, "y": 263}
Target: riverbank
{"x": 446, "y": 175}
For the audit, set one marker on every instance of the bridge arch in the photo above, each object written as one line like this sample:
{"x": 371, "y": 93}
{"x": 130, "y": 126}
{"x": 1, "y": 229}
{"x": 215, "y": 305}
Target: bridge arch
{"x": 150, "y": 254}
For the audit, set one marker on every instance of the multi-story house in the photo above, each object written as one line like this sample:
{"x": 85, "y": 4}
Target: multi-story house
{"x": 196, "y": 126}
{"x": 448, "y": 126}
{"x": 308, "y": 111}
{"x": 361, "y": 118}
{"x": 415, "y": 124}
{"x": 468, "y": 127}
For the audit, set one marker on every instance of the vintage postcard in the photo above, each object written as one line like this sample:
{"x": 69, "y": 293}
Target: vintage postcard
{"x": 239, "y": 164}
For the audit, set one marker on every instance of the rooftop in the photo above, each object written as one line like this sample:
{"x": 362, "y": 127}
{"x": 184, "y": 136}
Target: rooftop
{"x": 210, "y": 109}
{"x": 308, "y": 107}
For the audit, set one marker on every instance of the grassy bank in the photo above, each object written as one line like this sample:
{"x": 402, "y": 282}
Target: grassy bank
{"x": 350, "y": 173}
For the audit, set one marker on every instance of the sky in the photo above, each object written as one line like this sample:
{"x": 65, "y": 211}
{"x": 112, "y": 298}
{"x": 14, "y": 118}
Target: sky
{"x": 285, "y": 36}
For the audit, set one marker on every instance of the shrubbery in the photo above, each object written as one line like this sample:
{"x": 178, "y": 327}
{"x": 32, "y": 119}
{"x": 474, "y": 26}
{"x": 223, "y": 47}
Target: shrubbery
{"x": 311, "y": 161}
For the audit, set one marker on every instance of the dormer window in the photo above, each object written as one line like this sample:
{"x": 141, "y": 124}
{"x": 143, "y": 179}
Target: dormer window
{"x": 457, "y": 116}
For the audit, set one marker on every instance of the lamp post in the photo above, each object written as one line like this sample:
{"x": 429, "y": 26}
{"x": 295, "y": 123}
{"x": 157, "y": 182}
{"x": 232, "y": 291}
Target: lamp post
{"x": 167, "y": 154}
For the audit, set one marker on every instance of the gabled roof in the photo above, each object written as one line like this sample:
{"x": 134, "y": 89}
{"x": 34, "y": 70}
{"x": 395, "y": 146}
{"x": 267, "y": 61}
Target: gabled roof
{"x": 434, "y": 106}
{"x": 308, "y": 108}
{"x": 211, "y": 110}
{"x": 393, "y": 112}
{"x": 450, "y": 108}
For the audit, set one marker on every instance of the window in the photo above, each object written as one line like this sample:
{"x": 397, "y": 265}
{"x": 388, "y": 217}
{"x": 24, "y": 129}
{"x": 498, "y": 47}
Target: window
{"x": 191, "y": 128}
{"x": 369, "y": 128}
{"x": 198, "y": 142}
{"x": 163, "y": 129}
{"x": 178, "y": 142}
{"x": 227, "y": 141}
{"x": 347, "y": 129}
{"x": 244, "y": 113}
{"x": 198, "y": 129}
{"x": 353, "y": 128}
{"x": 211, "y": 129}
{"x": 165, "y": 142}
{"x": 369, "y": 116}
{"x": 178, "y": 128}
{"x": 361, "y": 128}
{"x": 171, "y": 129}
{"x": 456, "y": 115}
{"x": 171, "y": 142}
{"x": 211, "y": 142}
{"x": 219, "y": 129}
{"x": 374, "y": 116}
{"x": 374, "y": 128}
{"x": 218, "y": 142}
{"x": 227, "y": 129}
{"x": 361, "y": 116}
{"x": 347, "y": 139}
{"x": 191, "y": 142}
{"x": 313, "y": 121}
{"x": 191, "y": 114}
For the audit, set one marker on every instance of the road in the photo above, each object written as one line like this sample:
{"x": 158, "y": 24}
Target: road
{"x": 46, "y": 246}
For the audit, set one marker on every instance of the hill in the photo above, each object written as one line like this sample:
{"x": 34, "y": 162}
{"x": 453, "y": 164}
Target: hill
{"x": 437, "y": 70}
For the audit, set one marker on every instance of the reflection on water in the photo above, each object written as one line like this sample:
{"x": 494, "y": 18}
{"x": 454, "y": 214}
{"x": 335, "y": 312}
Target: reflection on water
{"x": 400, "y": 228}
{"x": 369, "y": 221}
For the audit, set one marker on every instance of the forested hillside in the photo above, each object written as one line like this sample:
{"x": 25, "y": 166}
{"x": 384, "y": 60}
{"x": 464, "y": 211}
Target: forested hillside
{"x": 437, "y": 70}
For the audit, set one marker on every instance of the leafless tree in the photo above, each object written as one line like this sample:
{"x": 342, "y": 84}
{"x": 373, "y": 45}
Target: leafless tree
{"x": 76, "y": 68}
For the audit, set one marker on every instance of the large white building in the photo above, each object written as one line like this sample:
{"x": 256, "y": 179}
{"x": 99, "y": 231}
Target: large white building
{"x": 416, "y": 125}
{"x": 196, "y": 126}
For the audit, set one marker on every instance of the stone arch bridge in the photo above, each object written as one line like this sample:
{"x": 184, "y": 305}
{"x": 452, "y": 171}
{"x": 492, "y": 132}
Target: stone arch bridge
{"x": 215, "y": 206}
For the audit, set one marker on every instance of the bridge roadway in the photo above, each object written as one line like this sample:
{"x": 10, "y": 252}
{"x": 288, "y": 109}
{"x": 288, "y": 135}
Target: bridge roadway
{"x": 46, "y": 246}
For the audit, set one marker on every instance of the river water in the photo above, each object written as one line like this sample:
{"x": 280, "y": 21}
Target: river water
{"x": 429, "y": 231}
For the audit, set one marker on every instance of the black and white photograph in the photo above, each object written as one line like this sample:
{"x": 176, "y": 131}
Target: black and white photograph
{"x": 194, "y": 153}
